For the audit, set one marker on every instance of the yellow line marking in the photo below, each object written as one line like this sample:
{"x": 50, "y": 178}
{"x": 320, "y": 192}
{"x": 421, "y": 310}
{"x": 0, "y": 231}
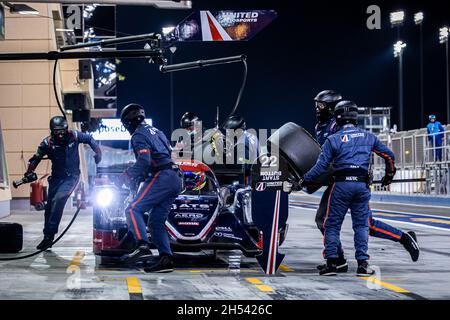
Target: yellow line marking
{"x": 385, "y": 285}
{"x": 264, "y": 288}
{"x": 440, "y": 221}
{"x": 253, "y": 280}
{"x": 76, "y": 260}
{"x": 286, "y": 268}
{"x": 382, "y": 214}
{"x": 133, "y": 285}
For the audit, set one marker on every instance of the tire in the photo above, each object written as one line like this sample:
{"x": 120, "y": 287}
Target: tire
{"x": 11, "y": 237}
{"x": 301, "y": 151}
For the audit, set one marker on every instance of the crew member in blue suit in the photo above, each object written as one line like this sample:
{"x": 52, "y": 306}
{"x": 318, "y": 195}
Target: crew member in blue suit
{"x": 327, "y": 126}
{"x": 349, "y": 151}
{"x": 61, "y": 148}
{"x": 161, "y": 185}
{"x": 435, "y": 136}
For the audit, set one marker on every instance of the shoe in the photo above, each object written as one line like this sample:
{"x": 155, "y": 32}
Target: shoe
{"x": 164, "y": 265}
{"x": 46, "y": 243}
{"x": 409, "y": 241}
{"x": 341, "y": 265}
{"x": 330, "y": 268}
{"x": 364, "y": 270}
{"x": 142, "y": 253}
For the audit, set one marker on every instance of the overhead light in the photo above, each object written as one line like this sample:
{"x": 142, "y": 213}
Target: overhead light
{"x": 418, "y": 18}
{"x": 21, "y": 9}
{"x": 399, "y": 46}
{"x": 64, "y": 30}
{"x": 443, "y": 34}
{"x": 167, "y": 30}
{"x": 397, "y": 18}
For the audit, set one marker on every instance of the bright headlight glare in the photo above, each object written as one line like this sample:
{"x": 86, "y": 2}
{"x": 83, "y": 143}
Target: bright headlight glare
{"x": 105, "y": 197}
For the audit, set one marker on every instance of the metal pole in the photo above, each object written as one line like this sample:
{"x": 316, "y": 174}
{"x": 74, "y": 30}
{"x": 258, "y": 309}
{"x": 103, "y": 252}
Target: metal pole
{"x": 422, "y": 107}
{"x": 171, "y": 98}
{"x": 448, "y": 82}
{"x": 400, "y": 90}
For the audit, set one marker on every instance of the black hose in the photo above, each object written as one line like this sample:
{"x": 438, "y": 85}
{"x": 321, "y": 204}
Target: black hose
{"x": 241, "y": 91}
{"x": 53, "y": 243}
{"x": 56, "y": 91}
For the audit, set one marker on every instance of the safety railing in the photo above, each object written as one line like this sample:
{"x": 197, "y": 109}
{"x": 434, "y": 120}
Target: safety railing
{"x": 423, "y": 160}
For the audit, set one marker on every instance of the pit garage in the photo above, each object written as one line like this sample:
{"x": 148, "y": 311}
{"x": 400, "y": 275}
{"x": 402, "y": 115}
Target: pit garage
{"x": 236, "y": 230}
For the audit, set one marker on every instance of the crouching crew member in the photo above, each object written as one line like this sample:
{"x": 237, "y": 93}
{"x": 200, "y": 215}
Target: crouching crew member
{"x": 61, "y": 147}
{"x": 326, "y": 126}
{"x": 162, "y": 184}
{"x": 349, "y": 150}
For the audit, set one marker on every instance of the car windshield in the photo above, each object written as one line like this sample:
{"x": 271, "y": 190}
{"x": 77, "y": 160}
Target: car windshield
{"x": 198, "y": 183}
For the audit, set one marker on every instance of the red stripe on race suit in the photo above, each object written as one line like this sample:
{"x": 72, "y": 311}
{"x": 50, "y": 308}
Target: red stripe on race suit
{"x": 274, "y": 243}
{"x": 326, "y": 215}
{"x": 137, "y": 201}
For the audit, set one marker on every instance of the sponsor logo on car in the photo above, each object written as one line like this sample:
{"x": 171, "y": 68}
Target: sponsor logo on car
{"x": 227, "y": 235}
{"x": 187, "y": 215}
{"x": 224, "y": 229}
{"x": 188, "y": 223}
{"x": 191, "y": 206}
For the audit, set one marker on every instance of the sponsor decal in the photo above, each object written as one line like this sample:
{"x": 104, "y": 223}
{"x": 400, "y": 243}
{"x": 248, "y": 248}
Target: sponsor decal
{"x": 192, "y": 206}
{"x": 227, "y": 235}
{"x": 188, "y": 216}
{"x": 345, "y": 138}
{"x": 188, "y": 223}
{"x": 224, "y": 229}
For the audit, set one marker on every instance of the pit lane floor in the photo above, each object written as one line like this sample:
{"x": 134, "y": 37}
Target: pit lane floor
{"x": 69, "y": 270}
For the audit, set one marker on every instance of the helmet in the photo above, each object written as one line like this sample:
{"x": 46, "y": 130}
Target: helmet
{"x": 59, "y": 127}
{"x": 346, "y": 112}
{"x": 132, "y": 116}
{"x": 325, "y": 102}
{"x": 432, "y": 117}
{"x": 188, "y": 119}
{"x": 234, "y": 122}
{"x": 194, "y": 181}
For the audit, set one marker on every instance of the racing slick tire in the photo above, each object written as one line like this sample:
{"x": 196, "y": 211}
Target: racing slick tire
{"x": 11, "y": 237}
{"x": 301, "y": 151}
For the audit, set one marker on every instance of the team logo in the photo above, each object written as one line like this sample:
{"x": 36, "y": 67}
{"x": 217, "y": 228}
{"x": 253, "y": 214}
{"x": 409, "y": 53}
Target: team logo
{"x": 261, "y": 186}
{"x": 345, "y": 138}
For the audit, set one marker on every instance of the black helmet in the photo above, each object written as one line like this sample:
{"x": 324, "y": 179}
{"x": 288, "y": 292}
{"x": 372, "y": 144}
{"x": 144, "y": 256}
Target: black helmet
{"x": 188, "y": 119}
{"x": 234, "y": 122}
{"x": 59, "y": 127}
{"x": 132, "y": 116}
{"x": 346, "y": 112}
{"x": 325, "y": 103}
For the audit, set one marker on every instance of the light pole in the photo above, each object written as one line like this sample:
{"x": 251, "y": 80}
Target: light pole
{"x": 443, "y": 38}
{"x": 399, "y": 46}
{"x": 418, "y": 20}
{"x": 397, "y": 18}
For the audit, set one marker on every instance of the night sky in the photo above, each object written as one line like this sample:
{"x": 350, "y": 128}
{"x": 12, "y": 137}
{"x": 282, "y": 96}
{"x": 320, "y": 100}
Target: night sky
{"x": 316, "y": 46}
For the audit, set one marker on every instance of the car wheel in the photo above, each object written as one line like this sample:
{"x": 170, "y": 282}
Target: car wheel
{"x": 300, "y": 150}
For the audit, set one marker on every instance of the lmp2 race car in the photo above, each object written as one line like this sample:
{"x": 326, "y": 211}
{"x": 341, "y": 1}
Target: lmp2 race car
{"x": 205, "y": 216}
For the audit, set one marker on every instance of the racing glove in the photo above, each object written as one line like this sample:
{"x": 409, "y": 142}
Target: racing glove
{"x": 388, "y": 178}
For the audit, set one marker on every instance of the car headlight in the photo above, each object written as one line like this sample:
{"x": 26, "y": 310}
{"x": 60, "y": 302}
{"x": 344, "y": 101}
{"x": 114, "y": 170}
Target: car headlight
{"x": 105, "y": 197}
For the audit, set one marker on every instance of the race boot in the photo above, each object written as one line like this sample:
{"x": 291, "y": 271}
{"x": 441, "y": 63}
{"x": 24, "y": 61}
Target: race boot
{"x": 164, "y": 265}
{"x": 330, "y": 268}
{"x": 142, "y": 253}
{"x": 364, "y": 270}
{"x": 46, "y": 243}
{"x": 341, "y": 265}
{"x": 409, "y": 241}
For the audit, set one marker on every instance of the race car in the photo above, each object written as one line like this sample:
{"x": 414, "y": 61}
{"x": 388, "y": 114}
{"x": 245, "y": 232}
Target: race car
{"x": 205, "y": 216}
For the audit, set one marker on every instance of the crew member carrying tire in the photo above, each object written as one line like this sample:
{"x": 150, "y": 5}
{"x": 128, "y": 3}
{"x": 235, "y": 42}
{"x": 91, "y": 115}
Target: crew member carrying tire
{"x": 327, "y": 126}
{"x": 161, "y": 185}
{"x": 61, "y": 147}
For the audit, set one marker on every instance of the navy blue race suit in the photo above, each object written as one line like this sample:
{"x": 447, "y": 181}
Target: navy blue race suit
{"x": 65, "y": 173}
{"x": 349, "y": 150}
{"x": 162, "y": 184}
{"x": 378, "y": 229}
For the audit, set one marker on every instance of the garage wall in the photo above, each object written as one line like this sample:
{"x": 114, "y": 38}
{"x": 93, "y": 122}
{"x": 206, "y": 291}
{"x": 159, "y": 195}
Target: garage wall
{"x": 26, "y": 90}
